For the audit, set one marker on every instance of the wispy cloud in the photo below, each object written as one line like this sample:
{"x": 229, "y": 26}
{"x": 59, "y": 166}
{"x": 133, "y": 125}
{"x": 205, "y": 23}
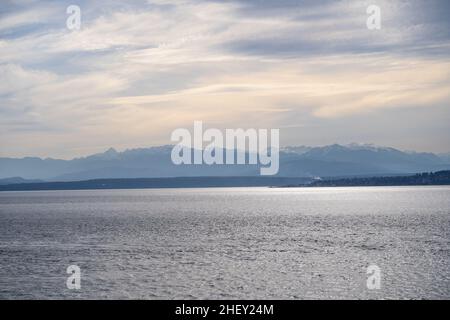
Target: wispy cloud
{"x": 134, "y": 72}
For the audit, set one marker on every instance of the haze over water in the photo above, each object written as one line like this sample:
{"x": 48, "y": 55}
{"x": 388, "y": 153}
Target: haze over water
{"x": 233, "y": 243}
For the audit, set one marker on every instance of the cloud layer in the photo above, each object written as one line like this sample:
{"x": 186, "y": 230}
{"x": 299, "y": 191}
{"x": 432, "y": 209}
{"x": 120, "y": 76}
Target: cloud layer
{"x": 135, "y": 72}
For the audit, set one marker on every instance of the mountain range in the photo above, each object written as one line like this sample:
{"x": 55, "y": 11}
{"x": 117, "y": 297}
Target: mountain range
{"x": 155, "y": 162}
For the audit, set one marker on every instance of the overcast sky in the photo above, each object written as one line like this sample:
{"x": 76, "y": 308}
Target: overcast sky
{"x": 135, "y": 72}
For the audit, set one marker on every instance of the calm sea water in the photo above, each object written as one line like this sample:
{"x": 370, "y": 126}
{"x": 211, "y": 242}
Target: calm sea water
{"x": 232, "y": 243}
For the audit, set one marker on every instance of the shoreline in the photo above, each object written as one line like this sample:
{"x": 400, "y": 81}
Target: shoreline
{"x": 440, "y": 178}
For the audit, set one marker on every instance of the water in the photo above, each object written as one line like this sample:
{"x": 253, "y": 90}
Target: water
{"x": 233, "y": 243}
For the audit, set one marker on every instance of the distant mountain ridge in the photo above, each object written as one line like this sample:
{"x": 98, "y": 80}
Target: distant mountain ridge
{"x": 298, "y": 161}
{"x": 16, "y": 180}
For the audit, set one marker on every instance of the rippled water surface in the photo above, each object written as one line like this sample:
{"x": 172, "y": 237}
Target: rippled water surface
{"x": 234, "y": 243}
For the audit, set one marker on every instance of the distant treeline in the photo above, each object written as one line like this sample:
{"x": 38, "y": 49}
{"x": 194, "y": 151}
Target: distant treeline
{"x": 436, "y": 178}
{"x": 138, "y": 183}
{"x": 421, "y": 179}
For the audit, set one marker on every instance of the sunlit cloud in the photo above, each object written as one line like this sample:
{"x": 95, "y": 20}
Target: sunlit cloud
{"x": 134, "y": 72}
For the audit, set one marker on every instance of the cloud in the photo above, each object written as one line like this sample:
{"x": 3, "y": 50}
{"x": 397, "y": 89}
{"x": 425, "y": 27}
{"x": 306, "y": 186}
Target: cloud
{"x": 136, "y": 71}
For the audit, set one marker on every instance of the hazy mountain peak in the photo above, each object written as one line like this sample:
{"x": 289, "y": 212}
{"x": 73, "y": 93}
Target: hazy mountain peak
{"x": 109, "y": 154}
{"x": 295, "y": 149}
{"x": 150, "y": 150}
{"x": 110, "y": 151}
{"x": 295, "y": 161}
{"x": 368, "y": 146}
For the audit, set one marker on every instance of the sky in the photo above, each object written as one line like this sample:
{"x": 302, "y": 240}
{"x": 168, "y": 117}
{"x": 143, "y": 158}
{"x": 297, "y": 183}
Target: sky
{"x": 136, "y": 71}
